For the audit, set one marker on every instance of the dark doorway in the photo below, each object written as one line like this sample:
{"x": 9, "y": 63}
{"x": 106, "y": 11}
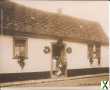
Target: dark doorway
{"x": 59, "y": 64}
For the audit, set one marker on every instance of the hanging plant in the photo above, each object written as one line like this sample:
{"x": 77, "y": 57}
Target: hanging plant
{"x": 46, "y": 49}
{"x": 69, "y": 50}
{"x": 21, "y": 61}
{"x": 91, "y": 60}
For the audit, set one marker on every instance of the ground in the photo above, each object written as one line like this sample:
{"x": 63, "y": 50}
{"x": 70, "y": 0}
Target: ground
{"x": 70, "y": 83}
{"x": 93, "y": 80}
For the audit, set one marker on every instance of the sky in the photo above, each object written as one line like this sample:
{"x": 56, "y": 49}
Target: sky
{"x": 90, "y": 10}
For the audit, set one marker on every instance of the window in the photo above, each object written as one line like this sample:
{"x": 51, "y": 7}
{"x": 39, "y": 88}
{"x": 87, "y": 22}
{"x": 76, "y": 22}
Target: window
{"x": 94, "y": 53}
{"x": 20, "y": 48}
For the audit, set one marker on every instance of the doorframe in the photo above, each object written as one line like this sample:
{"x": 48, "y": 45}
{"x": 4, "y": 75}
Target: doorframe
{"x": 51, "y": 71}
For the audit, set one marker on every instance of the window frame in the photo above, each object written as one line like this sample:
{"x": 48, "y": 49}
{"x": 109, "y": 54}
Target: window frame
{"x": 98, "y": 52}
{"x": 26, "y": 47}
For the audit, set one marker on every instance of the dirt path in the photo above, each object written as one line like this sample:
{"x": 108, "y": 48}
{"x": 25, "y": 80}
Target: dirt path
{"x": 90, "y": 81}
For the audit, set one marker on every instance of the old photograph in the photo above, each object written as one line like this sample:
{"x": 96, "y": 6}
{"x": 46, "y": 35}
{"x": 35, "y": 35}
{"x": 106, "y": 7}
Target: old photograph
{"x": 54, "y": 44}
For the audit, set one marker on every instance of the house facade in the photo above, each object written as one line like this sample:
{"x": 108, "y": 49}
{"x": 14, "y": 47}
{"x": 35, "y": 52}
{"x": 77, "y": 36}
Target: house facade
{"x": 38, "y": 45}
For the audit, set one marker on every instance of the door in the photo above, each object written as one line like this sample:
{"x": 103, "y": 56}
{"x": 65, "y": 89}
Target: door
{"x": 59, "y": 64}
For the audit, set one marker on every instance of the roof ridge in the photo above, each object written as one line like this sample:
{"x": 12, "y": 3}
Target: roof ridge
{"x": 53, "y": 13}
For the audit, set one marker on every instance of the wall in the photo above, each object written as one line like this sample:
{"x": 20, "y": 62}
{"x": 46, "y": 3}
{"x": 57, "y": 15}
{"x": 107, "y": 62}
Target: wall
{"x": 105, "y": 56}
{"x": 39, "y": 61}
{"x": 7, "y": 63}
{"x": 78, "y": 58}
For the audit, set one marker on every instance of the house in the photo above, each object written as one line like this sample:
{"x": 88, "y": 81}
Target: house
{"x": 35, "y": 44}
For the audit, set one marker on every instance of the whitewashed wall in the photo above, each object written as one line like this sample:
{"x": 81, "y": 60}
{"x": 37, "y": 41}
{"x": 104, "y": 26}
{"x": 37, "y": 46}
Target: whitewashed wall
{"x": 105, "y": 56}
{"x": 78, "y": 58}
{"x": 39, "y": 61}
{"x": 8, "y": 64}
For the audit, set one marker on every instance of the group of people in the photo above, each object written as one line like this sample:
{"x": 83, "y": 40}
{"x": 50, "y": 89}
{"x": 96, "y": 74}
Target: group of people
{"x": 60, "y": 59}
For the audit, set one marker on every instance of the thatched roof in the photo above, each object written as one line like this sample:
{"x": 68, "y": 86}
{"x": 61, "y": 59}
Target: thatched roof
{"x": 21, "y": 20}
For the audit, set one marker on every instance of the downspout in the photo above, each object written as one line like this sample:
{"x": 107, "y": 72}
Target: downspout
{"x": 1, "y": 14}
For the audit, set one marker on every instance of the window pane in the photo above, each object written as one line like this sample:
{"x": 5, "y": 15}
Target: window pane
{"x": 17, "y": 51}
{"x": 94, "y": 53}
{"x": 19, "y": 48}
{"x": 22, "y": 51}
